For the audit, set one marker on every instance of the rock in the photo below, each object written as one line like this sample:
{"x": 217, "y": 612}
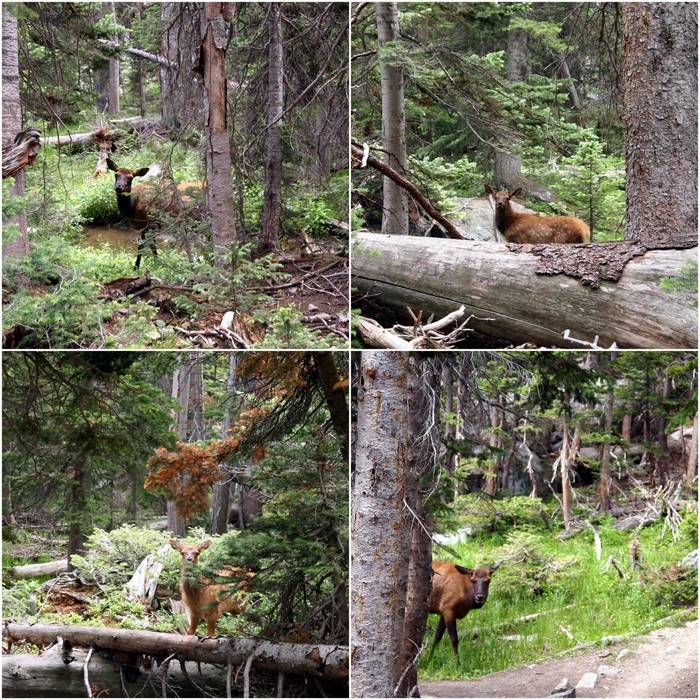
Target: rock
{"x": 588, "y": 680}
{"x": 690, "y": 561}
{"x": 568, "y": 693}
{"x": 608, "y": 670}
{"x": 623, "y": 654}
{"x": 562, "y": 686}
{"x": 672, "y": 650}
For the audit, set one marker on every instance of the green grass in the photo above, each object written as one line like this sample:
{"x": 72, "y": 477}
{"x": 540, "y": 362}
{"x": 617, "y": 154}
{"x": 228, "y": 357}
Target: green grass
{"x": 591, "y": 604}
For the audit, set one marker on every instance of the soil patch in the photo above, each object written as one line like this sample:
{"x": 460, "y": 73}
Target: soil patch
{"x": 663, "y": 663}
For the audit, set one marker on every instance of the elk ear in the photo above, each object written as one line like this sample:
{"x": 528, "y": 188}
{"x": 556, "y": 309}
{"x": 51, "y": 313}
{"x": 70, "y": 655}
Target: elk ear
{"x": 140, "y": 172}
{"x": 491, "y": 190}
{"x": 175, "y": 545}
{"x": 112, "y": 165}
{"x": 516, "y": 193}
{"x": 463, "y": 570}
{"x": 204, "y": 545}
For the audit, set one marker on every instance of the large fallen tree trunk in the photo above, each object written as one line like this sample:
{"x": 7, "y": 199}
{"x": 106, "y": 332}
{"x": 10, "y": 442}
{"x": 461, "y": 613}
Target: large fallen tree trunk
{"x": 310, "y": 659}
{"x": 501, "y": 282}
{"x": 59, "y": 673}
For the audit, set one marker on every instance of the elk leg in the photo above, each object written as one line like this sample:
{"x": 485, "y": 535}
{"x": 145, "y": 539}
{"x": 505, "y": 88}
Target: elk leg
{"x": 438, "y": 636}
{"x": 139, "y": 252}
{"x": 211, "y": 626}
{"x": 191, "y": 623}
{"x": 451, "y": 624}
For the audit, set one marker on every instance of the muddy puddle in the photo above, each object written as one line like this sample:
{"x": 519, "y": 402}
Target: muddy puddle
{"x": 118, "y": 238}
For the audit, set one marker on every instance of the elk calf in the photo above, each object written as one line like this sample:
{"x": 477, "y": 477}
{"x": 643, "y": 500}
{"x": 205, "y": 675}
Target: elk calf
{"x": 205, "y": 600}
{"x": 530, "y": 228}
{"x": 456, "y": 591}
{"x": 138, "y": 202}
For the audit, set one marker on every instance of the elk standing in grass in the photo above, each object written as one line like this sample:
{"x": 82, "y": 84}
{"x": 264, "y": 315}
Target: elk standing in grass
{"x": 205, "y": 600}
{"x": 138, "y": 203}
{"x": 456, "y": 591}
{"x": 530, "y": 228}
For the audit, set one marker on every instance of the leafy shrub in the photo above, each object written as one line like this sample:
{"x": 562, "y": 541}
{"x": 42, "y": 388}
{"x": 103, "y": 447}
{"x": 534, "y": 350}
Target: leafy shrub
{"x": 112, "y": 557}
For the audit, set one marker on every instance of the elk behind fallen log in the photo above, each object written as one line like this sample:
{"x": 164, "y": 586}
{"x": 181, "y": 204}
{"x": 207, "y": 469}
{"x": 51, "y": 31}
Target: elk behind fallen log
{"x": 530, "y": 228}
{"x": 203, "y": 599}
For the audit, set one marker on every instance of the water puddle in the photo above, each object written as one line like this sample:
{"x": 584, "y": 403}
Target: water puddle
{"x": 123, "y": 239}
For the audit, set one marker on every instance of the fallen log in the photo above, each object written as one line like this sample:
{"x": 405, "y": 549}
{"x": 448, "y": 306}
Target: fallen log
{"x": 437, "y": 276}
{"x": 49, "y": 568}
{"x": 308, "y": 659}
{"x": 58, "y": 673}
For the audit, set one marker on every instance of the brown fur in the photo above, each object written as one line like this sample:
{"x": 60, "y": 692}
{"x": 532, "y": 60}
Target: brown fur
{"x": 207, "y": 600}
{"x": 530, "y": 228}
{"x": 456, "y": 591}
{"x": 138, "y": 202}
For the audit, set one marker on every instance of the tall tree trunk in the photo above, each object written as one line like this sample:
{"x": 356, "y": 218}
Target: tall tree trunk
{"x": 335, "y": 397}
{"x": 495, "y": 440}
{"x": 605, "y": 452}
{"x": 507, "y": 163}
{"x": 215, "y": 19}
{"x": 11, "y": 126}
{"x": 564, "y": 470}
{"x": 221, "y": 500}
{"x": 272, "y": 200}
{"x": 660, "y": 119}
{"x": 663, "y": 418}
{"x": 692, "y": 466}
{"x": 380, "y": 551}
{"x": 79, "y": 520}
{"x": 113, "y": 85}
{"x": 395, "y": 204}
{"x": 423, "y": 399}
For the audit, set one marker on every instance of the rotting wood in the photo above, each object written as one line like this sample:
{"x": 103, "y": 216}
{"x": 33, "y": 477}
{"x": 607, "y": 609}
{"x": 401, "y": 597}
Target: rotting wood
{"x": 23, "y": 151}
{"x": 312, "y": 659}
{"x": 589, "y": 263}
{"x": 436, "y": 276}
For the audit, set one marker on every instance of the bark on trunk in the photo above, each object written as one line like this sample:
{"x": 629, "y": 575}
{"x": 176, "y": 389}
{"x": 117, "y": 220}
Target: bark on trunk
{"x": 220, "y": 193}
{"x": 11, "y": 125}
{"x": 605, "y": 453}
{"x": 692, "y": 466}
{"x": 660, "y": 118}
{"x": 492, "y": 282}
{"x": 423, "y": 403}
{"x": 395, "y": 204}
{"x": 564, "y": 465}
{"x": 380, "y": 551}
{"x": 335, "y": 398}
{"x": 496, "y": 418}
{"x": 272, "y": 201}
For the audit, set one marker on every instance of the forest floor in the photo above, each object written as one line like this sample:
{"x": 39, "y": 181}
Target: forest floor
{"x": 663, "y": 663}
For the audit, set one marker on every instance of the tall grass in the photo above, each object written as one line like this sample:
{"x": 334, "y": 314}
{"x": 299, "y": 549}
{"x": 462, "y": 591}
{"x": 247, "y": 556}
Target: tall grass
{"x": 588, "y": 603}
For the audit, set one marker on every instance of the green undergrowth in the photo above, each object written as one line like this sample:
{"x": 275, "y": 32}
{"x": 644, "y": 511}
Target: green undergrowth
{"x": 578, "y": 598}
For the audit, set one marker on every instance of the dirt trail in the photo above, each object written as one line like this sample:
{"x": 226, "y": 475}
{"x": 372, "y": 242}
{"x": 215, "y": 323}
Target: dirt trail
{"x": 663, "y": 664}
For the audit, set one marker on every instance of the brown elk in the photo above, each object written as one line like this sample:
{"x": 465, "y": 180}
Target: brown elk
{"x": 530, "y": 228}
{"x": 205, "y": 600}
{"x": 138, "y": 203}
{"x": 456, "y": 591}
